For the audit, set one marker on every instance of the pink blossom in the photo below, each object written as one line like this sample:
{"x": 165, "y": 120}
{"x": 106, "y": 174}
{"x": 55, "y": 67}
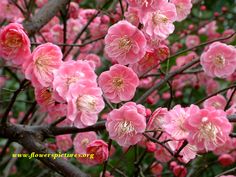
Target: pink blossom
{"x": 175, "y": 121}
{"x": 192, "y": 41}
{"x": 156, "y": 168}
{"x": 151, "y": 146}
{"x": 162, "y": 155}
{"x": 93, "y": 58}
{"x": 142, "y": 5}
{"x": 14, "y": 43}
{"x": 100, "y": 150}
{"x": 10, "y": 12}
{"x": 180, "y": 171}
{"x": 183, "y": 60}
{"x": 64, "y": 142}
{"x": 218, "y": 102}
{"x": 156, "y": 120}
{"x": 82, "y": 140}
{"x": 208, "y": 128}
{"x": 228, "y": 33}
{"x": 132, "y": 16}
{"x": 119, "y": 83}
{"x": 183, "y": 8}
{"x": 40, "y": 3}
{"x": 158, "y": 24}
{"x": 46, "y": 58}
{"x": 219, "y": 60}
{"x": 126, "y": 124}
{"x": 149, "y": 60}
{"x": 226, "y": 160}
{"x": 125, "y": 43}
{"x": 188, "y": 152}
{"x": 70, "y": 74}
{"x": 85, "y": 104}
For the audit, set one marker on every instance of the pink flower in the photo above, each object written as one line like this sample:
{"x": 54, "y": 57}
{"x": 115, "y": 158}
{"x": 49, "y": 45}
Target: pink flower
{"x": 158, "y": 24}
{"x": 156, "y": 168}
{"x": 132, "y": 16}
{"x": 93, "y": 58}
{"x": 183, "y": 8}
{"x": 125, "y": 43}
{"x": 46, "y": 58}
{"x": 188, "y": 152}
{"x": 226, "y": 160}
{"x": 119, "y": 83}
{"x": 14, "y": 43}
{"x": 100, "y": 150}
{"x": 219, "y": 60}
{"x": 148, "y": 61}
{"x": 162, "y": 155}
{"x": 70, "y": 74}
{"x": 218, "y": 102}
{"x": 156, "y": 120}
{"x": 64, "y": 142}
{"x": 180, "y": 171}
{"x": 82, "y": 140}
{"x": 175, "y": 121}
{"x": 192, "y": 41}
{"x": 208, "y": 128}
{"x": 126, "y": 124}
{"x": 85, "y": 104}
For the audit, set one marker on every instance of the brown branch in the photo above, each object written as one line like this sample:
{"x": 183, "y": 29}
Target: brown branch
{"x": 30, "y": 139}
{"x": 213, "y": 94}
{"x": 44, "y": 15}
{"x": 13, "y": 99}
{"x": 166, "y": 79}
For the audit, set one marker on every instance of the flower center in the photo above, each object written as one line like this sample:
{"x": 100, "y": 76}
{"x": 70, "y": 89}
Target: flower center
{"x": 216, "y": 105}
{"x": 207, "y": 132}
{"x": 158, "y": 18}
{"x": 125, "y": 43}
{"x": 86, "y": 103}
{"x": 125, "y": 127}
{"x": 84, "y": 142}
{"x": 71, "y": 80}
{"x": 13, "y": 40}
{"x": 118, "y": 83}
{"x": 219, "y": 61}
{"x": 46, "y": 96}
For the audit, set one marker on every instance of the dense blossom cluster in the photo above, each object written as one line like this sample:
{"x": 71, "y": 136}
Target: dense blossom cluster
{"x": 76, "y": 85}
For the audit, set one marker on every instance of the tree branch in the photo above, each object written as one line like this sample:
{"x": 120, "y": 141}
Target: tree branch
{"x": 44, "y": 15}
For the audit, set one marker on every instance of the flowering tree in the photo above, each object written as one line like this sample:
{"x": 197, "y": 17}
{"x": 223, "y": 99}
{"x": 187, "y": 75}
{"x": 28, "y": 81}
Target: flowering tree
{"x": 128, "y": 87}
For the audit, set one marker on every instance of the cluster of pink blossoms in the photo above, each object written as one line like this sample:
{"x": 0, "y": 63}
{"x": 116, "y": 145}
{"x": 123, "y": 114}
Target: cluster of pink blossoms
{"x": 61, "y": 88}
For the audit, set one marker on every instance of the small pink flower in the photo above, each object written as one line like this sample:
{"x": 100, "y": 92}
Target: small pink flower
{"x": 46, "y": 58}
{"x": 158, "y": 24}
{"x": 188, "y": 153}
{"x": 149, "y": 60}
{"x": 175, "y": 121}
{"x": 82, "y": 140}
{"x": 156, "y": 120}
{"x": 93, "y": 58}
{"x": 151, "y": 146}
{"x": 119, "y": 83}
{"x": 85, "y": 104}
{"x": 70, "y": 74}
{"x": 125, "y": 43}
{"x": 156, "y": 168}
{"x": 64, "y": 142}
{"x": 100, "y": 150}
{"x": 180, "y": 171}
{"x": 126, "y": 124}
{"x": 218, "y": 102}
{"x": 192, "y": 41}
{"x": 14, "y": 43}
{"x": 226, "y": 160}
{"x": 183, "y": 8}
{"x": 219, "y": 60}
{"x": 162, "y": 155}
{"x": 208, "y": 128}
{"x": 132, "y": 16}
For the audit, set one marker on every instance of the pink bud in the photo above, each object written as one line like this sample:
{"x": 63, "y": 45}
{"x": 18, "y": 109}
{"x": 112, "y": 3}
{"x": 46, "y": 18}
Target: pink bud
{"x": 225, "y": 160}
{"x": 151, "y": 147}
